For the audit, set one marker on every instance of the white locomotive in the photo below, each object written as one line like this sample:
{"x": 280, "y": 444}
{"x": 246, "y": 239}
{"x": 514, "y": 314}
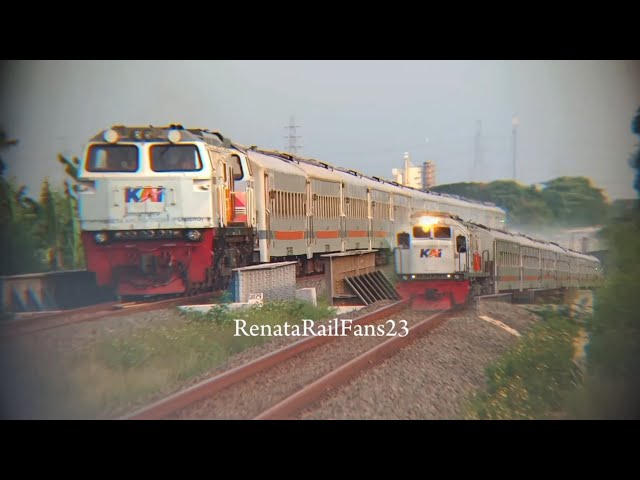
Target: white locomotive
{"x": 443, "y": 260}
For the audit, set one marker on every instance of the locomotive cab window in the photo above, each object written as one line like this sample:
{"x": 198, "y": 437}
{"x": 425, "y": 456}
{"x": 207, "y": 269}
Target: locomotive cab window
{"x": 175, "y": 158}
{"x": 403, "y": 240}
{"x": 421, "y": 232}
{"x": 441, "y": 232}
{"x": 461, "y": 244}
{"x": 236, "y": 166}
{"x": 112, "y": 158}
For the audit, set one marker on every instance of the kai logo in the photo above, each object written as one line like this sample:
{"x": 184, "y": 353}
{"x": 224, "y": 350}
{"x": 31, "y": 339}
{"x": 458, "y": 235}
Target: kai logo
{"x": 149, "y": 194}
{"x": 430, "y": 252}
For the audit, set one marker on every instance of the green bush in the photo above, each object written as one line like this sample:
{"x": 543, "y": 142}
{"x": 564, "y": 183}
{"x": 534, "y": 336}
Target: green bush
{"x": 532, "y": 380}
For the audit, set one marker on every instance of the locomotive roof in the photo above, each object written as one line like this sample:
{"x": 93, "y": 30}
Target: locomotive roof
{"x": 160, "y": 134}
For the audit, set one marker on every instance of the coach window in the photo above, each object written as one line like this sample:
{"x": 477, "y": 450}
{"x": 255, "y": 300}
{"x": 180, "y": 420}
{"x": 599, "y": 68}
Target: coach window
{"x": 112, "y": 158}
{"x": 175, "y": 158}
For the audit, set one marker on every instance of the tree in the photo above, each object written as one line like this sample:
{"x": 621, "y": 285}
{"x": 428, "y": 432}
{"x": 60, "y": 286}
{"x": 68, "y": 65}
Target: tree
{"x": 71, "y": 166}
{"x": 475, "y": 191}
{"x": 49, "y": 225}
{"x": 566, "y": 201}
{"x": 39, "y": 236}
{"x": 19, "y": 240}
{"x": 73, "y": 250}
{"x": 71, "y": 244}
{"x": 18, "y": 214}
{"x": 635, "y": 159}
{"x": 613, "y": 387}
{"x": 574, "y": 201}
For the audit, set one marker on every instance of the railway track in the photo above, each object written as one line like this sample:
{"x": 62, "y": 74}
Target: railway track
{"x": 31, "y": 322}
{"x": 235, "y": 385}
{"x": 38, "y": 322}
{"x": 311, "y": 391}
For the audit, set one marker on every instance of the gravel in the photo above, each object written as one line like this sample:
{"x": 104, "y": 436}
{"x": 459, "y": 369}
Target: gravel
{"x": 431, "y": 377}
{"x": 32, "y": 365}
{"x": 427, "y": 379}
{"x": 249, "y": 398}
{"x": 78, "y": 336}
{"x": 35, "y": 354}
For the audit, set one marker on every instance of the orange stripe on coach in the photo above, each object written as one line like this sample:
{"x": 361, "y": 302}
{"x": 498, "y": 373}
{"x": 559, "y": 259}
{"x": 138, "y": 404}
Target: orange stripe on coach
{"x": 289, "y": 235}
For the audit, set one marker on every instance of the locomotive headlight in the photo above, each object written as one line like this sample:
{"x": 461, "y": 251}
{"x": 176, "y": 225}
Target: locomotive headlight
{"x": 110, "y": 136}
{"x": 174, "y": 136}
{"x": 101, "y": 237}
{"x": 428, "y": 221}
{"x": 193, "y": 235}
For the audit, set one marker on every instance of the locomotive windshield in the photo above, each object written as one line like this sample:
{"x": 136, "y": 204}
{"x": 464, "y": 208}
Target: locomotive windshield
{"x": 175, "y": 158}
{"x": 441, "y": 232}
{"x": 112, "y": 158}
{"x": 421, "y": 232}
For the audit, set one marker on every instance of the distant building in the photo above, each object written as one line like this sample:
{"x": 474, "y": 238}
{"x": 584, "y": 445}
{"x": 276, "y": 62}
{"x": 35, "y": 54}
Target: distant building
{"x": 421, "y": 177}
{"x": 429, "y": 174}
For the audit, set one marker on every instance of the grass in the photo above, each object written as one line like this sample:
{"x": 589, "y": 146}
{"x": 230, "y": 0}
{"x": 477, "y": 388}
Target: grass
{"x": 535, "y": 379}
{"x": 120, "y": 370}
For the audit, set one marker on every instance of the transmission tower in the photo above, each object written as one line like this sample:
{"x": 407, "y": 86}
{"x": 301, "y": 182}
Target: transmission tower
{"x": 292, "y": 138}
{"x": 477, "y": 158}
{"x": 515, "y": 121}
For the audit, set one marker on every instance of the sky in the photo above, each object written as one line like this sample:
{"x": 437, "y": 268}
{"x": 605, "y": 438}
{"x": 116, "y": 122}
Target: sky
{"x": 574, "y": 116}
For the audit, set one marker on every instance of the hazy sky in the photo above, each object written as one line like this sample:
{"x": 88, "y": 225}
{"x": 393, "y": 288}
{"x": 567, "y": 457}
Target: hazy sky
{"x": 574, "y": 115}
